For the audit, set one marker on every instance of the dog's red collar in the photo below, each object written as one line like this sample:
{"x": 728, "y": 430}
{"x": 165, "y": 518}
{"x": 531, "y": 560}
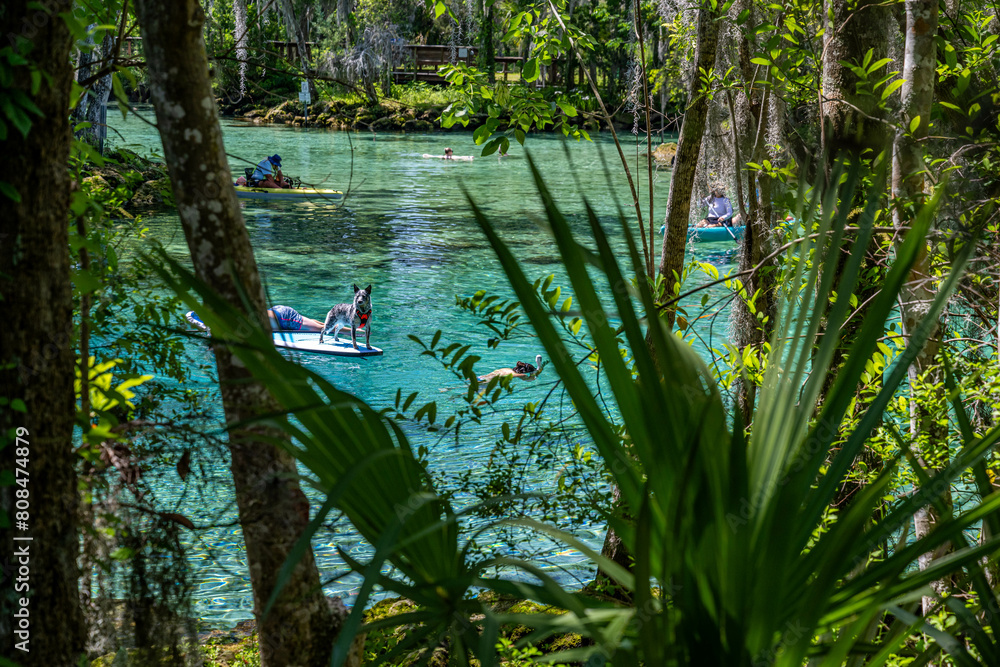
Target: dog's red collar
{"x": 364, "y": 317}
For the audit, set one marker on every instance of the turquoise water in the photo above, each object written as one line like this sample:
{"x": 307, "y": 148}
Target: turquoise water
{"x": 406, "y": 229}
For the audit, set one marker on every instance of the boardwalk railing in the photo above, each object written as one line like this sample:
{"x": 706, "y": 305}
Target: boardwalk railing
{"x": 290, "y": 50}
{"x": 420, "y": 62}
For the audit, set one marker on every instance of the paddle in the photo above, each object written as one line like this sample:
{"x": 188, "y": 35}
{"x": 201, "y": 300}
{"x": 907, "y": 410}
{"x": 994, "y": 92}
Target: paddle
{"x": 729, "y": 228}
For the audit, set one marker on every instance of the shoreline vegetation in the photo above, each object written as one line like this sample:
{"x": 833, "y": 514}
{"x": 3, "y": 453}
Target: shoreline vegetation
{"x": 417, "y": 111}
{"x": 239, "y": 646}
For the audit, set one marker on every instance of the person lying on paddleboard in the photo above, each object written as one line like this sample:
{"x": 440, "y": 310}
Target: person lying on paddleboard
{"x": 287, "y": 318}
{"x": 720, "y": 210}
{"x": 449, "y": 154}
{"x": 268, "y": 174}
{"x": 283, "y": 318}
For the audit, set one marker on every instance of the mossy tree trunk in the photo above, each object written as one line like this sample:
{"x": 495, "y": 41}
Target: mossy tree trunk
{"x": 854, "y": 130}
{"x": 273, "y": 510}
{"x": 686, "y": 159}
{"x": 917, "y": 294}
{"x": 678, "y": 204}
{"x": 299, "y": 32}
{"x": 37, "y": 355}
{"x": 851, "y": 121}
{"x": 752, "y": 318}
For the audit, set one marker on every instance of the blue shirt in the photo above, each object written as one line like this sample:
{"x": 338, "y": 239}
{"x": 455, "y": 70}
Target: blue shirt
{"x": 263, "y": 170}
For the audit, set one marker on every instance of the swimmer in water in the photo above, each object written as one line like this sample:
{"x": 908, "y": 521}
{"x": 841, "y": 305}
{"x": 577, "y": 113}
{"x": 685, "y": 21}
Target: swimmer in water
{"x": 521, "y": 370}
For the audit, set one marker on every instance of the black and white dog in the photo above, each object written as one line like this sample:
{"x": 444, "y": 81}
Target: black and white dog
{"x": 356, "y": 315}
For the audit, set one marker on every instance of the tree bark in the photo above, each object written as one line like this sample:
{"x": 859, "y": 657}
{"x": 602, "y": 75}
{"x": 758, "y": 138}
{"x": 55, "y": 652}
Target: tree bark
{"x": 91, "y": 106}
{"x": 678, "y": 206}
{"x": 852, "y": 124}
{"x": 273, "y": 509}
{"x": 686, "y": 159}
{"x": 850, "y": 120}
{"x": 750, "y": 130}
{"x": 300, "y": 39}
{"x": 917, "y": 95}
{"x": 37, "y": 354}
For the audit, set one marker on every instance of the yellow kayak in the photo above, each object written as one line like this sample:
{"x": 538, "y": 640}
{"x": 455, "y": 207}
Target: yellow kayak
{"x": 247, "y": 192}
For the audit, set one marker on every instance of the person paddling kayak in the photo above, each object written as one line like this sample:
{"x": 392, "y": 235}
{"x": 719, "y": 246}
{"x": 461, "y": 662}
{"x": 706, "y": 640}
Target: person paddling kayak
{"x": 720, "y": 210}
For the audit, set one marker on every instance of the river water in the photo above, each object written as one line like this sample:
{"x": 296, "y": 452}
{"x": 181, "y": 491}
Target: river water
{"x": 406, "y": 229}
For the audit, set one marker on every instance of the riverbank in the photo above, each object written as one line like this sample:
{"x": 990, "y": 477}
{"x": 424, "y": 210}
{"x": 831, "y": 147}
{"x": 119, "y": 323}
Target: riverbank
{"x": 387, "y": 116}
{"x": 125, "y": 183}
{"x": 240, "y": 647}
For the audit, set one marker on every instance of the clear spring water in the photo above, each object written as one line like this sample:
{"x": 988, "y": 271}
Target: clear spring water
{"x": 407, "y": 230}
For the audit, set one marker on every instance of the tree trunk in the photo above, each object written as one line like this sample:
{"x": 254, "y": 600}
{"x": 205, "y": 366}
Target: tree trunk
{"x": 487, "y": 52}
{"x": 616, "y": 551}
{"x": 752, "y": 327}
{"x": 678, "y": 205}
{"x": 917, "y": 95}
{"x": 273, "y": 509}
{"x": 852, "y": 123}
{"x": 37, "y": 356}
{"x": 92, "y": 106}
{"x": 850, "y": 120}
{"x": 686, "y": 159}
{"x": 300, "y": 39}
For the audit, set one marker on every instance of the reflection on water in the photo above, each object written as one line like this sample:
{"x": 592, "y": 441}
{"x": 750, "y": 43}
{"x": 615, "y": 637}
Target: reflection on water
{"x": 406, "y": 229}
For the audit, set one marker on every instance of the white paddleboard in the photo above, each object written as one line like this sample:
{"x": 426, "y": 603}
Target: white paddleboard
{"x": 467, "y": 158}
{"x": 308, "y": 341}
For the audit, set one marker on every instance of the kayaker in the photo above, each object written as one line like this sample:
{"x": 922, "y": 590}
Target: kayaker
{"x": 268, "y": 173}
{"x": 449, "y": 154}
{"x": 720, "y": 210}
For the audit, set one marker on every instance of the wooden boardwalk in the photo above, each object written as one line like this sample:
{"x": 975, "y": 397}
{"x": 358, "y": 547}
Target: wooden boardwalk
{"x": 420, "y": 62}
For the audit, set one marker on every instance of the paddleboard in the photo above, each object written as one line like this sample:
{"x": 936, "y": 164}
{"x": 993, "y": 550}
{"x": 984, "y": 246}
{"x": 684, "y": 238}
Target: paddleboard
{"x": 247, "y": 192}
{"x": 468, "y": 158}
{"x": 308, "y": 341}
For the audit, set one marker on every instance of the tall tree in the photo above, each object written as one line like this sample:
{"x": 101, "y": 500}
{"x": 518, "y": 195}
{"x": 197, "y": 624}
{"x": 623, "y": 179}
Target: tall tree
{"x": 301, "y": 39}
{"x": 37, "y": 358}
{"x": 917, "y": 94}
{"x": 94, "y": 62}
{"x": 849, "y": 117}
{"x": 750, "y": 129}
{"x": 852, "y": 124}
{"x": 678, "y": 206}
{"x": 273, "y": 510}
{"x": 688, "y": 151}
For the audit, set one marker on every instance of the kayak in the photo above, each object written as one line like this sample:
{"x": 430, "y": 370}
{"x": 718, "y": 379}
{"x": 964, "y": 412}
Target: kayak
{"x": 709, "y": 234}
{"x": 308, "y": 341}
{"x": 247, "y": 192}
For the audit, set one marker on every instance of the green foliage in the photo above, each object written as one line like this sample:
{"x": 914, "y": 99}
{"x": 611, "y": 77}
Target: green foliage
{"x": 512, "y": 110}
{"x": 728, "y": 525}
